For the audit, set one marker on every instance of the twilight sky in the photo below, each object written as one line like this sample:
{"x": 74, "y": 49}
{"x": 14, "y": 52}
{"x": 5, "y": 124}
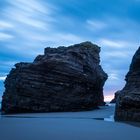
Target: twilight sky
{"x": 28, "y": 26}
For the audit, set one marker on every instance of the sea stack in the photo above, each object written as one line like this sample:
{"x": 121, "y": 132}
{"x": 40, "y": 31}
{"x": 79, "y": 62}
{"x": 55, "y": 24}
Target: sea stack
{"x": 63, "y": 79}
{"x": 128, "y": 102}
{"x": 116, "y": 94}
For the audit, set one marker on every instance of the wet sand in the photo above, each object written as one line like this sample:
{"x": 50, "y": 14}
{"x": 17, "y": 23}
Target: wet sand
{"x": 89, "y": 125}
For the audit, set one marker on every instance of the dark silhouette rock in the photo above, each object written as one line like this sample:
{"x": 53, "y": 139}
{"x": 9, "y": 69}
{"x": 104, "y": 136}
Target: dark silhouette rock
{"x": 115, "y": 96}
{"x": 128, "y": 102}
{"x": 63, "y": 79}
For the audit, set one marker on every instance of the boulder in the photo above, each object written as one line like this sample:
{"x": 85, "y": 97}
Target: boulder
{"x": 128, "y": 102}
{"x": 62, "y": 79}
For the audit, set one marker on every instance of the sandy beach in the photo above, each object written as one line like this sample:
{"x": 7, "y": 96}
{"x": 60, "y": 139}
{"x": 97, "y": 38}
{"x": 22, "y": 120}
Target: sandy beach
{"x": 88, "y": 125}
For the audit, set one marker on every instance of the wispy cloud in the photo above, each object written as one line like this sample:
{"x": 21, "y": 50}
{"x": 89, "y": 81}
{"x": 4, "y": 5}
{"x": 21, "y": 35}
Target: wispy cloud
{"x": 25, "y": 21}
{"x": 35, "y": 23}
{"x": 95, "y": 24}
{"x": 2, "y": 78}
{"x": 113, "y": 76}
{"x": 116, "y": 54}
{"x": 113, "y": 43}
{"x": 5, "y": 36}
{"x": 30, "y": 6}
{"x": 26, "y": 27}
{"x": 5, "y": 25}
{"x": 28, "y": 13}
{"x": 64, "y": 38}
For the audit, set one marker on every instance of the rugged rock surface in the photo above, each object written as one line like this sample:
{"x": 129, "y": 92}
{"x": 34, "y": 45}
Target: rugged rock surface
{"x": 63, "y": 79}
{"x": 115, "y": 96}
{"x": 128, "y": 102}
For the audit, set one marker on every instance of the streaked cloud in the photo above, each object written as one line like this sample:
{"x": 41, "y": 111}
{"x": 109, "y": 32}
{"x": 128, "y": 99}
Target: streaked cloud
{"x": 5, "y": 25}
{"x": 118, "y": 54}
{"x": 27, "y": 27}
{"x": 29, "y": 6}
{"x": 95, "y": 24}
{"x": 112, "y": 43}
{"x": 5, "y": 36}
{"x": 113, "y": 76}
{"x": 2, "y": 78}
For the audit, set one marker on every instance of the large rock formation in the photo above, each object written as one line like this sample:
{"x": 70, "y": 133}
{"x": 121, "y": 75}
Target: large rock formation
{"x": 63, "y": 79}
{"x": 128, "y": 102}
{"x": 116, "y": 94}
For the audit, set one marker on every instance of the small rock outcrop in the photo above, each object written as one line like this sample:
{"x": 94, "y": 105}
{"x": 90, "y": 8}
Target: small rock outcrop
{"x": 63, "y": 79}
{"x": 128, "y": 102}
{"x": 116, "y": 94}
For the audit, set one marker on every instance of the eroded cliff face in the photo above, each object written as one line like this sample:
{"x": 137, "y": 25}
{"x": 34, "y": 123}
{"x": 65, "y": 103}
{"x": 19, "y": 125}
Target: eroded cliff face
{"x": 128, "y": 103}
{"x": 116, "y": 94}
{"x": 63, "y": 79}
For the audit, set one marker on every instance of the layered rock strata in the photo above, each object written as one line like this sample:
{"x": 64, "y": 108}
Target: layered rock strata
{"x": 128, "y": 102}
{"x": 63, "y": 79}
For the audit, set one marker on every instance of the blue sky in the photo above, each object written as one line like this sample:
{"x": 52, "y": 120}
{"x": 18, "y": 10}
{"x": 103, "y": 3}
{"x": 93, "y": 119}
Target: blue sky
{"x": 27, "y": 27}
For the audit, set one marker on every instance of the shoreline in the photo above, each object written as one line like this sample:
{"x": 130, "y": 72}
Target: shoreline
{"x": 86, "y": 125}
